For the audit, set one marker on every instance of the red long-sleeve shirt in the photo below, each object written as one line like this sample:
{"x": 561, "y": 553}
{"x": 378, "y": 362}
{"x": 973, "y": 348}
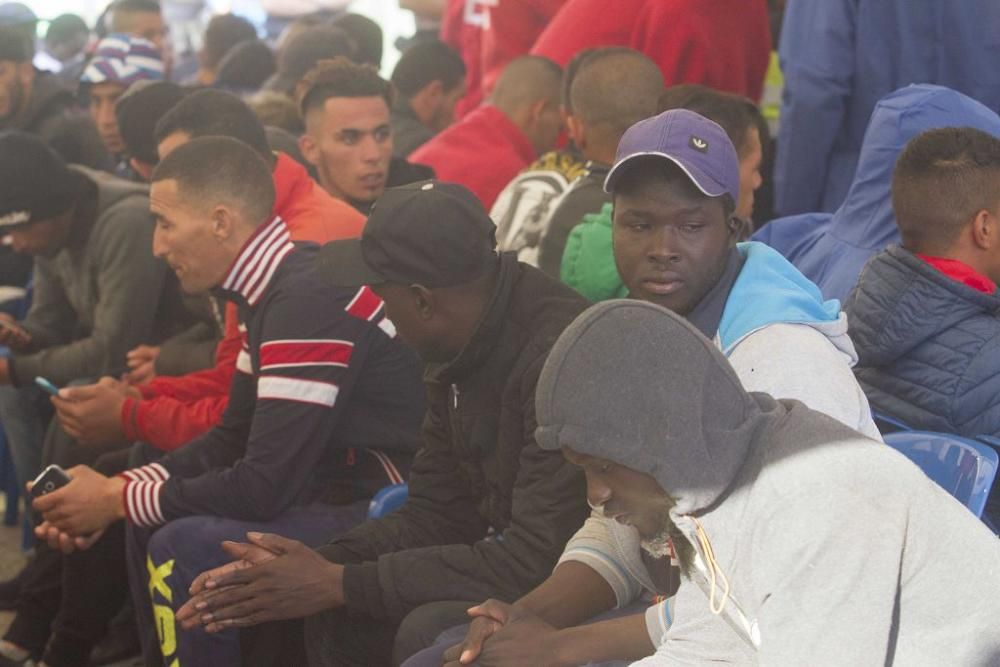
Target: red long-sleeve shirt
{"x": 484, "y": 151}
{"x": 723, "y": 44}
{"x": 175, "y": 410}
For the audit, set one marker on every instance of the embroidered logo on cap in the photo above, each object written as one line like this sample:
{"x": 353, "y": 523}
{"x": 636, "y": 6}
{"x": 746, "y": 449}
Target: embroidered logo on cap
{"x": 698, "y": 144}
{"x": 15, "y": 218}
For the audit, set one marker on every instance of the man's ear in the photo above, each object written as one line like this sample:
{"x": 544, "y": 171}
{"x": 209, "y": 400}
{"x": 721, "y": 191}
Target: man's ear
{"x": 986, "y": 230}
{"x": 423, "y": 301}
{"x": 310, "y": 149}
{"x": 574, "y": 127}
{"x": 223, "y": 222}
{"x": 537, "y": 109}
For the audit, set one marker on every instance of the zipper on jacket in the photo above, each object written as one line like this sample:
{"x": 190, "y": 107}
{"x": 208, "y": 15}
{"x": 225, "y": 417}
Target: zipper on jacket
{"x": 454, "y": 396}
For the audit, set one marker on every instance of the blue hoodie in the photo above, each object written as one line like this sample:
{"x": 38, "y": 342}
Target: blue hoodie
{"x": 840, "y": 57}
{"x": 832, "y": 249}
{"x": 777, "y": 292}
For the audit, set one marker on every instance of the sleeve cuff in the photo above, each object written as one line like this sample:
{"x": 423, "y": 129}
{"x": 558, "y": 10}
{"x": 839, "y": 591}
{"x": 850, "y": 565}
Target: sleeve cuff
{"x": 362, "y": 589}
{"x": 658, "y": 621}
{"x": 141, "y": 495}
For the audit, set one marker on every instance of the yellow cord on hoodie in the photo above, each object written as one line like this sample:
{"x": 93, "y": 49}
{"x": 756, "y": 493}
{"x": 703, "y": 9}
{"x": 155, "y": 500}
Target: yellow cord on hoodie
{"x": 713, "y": 567}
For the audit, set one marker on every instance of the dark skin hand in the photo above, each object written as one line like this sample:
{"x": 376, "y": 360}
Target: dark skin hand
{"x": 524, "y": 640}
{"x": 273, "y": 579}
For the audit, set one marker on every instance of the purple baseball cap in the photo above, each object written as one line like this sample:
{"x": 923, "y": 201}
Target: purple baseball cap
{"x": 700, "y": 147}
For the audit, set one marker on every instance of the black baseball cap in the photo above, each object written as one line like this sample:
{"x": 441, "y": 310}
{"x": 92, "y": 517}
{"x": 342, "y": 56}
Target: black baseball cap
{"x": 426, "y": 233}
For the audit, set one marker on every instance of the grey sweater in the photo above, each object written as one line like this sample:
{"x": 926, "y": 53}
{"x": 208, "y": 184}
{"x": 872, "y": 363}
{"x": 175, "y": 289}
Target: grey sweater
{"x": 99, "y": 296}
{"x": 836, "y": 550}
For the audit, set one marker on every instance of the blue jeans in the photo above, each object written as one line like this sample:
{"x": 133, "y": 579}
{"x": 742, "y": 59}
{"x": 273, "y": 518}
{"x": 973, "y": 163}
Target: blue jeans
{"x": 434, "y": 655}
{"x": 162, "y": 564}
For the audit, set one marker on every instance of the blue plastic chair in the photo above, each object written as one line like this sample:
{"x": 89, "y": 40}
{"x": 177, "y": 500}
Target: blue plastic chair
{"x": 962, "y": 467}
{"x": 887, "y": 424}
{"x": 388, "y": 499}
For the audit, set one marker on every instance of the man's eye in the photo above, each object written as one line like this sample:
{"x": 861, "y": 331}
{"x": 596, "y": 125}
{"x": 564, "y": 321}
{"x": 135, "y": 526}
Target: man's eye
{"x": 691, "y": 228}
{"x": 638, "y": 226}
{"x": 349, "y": 138}
{"x": 382, "y": 134}
{"x": 604, "y": 468}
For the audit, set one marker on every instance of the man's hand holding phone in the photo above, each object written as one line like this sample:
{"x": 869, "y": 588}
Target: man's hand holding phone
{"x": 12, "y": 334}
{"x": 88, "y": 503}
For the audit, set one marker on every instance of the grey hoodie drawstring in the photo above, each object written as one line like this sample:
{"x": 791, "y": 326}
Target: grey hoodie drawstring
{"x": 714, "y": 570}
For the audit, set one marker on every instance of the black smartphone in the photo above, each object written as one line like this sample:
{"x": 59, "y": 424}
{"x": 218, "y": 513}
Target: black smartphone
{"x": 51, "y": 479}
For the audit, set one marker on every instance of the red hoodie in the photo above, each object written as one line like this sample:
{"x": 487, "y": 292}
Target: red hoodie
{"x": 484, "y": 151}
{"x": 488, "y": 34}
{"x": 723, "y": 44}
{"x": 175, "y": 410}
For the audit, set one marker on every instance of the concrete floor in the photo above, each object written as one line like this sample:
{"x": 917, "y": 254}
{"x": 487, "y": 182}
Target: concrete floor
{"x": 12, "y": 559}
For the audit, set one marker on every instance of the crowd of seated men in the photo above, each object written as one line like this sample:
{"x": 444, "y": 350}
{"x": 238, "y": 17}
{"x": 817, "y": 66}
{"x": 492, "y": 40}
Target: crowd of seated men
{"x": 621, "y": 333}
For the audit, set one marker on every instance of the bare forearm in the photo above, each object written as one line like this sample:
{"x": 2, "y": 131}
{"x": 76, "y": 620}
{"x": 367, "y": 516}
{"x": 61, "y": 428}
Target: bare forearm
{"x": 573, "y": 594}
{"x": 623, "y": 638}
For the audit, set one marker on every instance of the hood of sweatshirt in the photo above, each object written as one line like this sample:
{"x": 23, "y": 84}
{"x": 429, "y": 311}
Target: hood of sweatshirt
{"x": 770, "y": 290}
{"x": 633, "y": 383}
{"x": 831, "y": 249}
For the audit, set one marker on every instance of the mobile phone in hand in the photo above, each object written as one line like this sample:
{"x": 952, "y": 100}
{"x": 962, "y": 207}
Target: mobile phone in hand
{"x": 47, "y": 386}
{"x": 52, "y": 478}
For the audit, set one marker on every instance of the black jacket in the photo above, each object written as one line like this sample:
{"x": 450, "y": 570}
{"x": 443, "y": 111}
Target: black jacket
{"x": 52, "y": 114}
{"x": 479, "y": 469}
{"x": 319, "y": 377}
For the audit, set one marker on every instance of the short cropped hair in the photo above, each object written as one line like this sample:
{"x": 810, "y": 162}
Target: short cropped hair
{"x": 425, "y": 63}
{"x": 208, "y": 113}
{"x": 615, "y": 88}
{"x": 224, "y": 32}
{"x": 569, "y": 76}
{"x": 737, "y": 115}
{"x": 942, "y": 179}
{"x": 221, "y": 170}
{"x": 340, "y": 78}
{"x": 367, "y": 35}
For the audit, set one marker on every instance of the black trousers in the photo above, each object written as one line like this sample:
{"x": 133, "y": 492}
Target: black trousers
{"x": 339, "y": 638}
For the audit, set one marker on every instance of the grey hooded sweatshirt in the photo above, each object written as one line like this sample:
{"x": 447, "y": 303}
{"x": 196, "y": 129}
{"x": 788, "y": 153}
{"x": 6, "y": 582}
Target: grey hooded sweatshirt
{"x": 824, "y": 547}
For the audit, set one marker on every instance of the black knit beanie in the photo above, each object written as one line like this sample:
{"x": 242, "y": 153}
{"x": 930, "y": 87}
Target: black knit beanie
{"x": 35, "y": 183}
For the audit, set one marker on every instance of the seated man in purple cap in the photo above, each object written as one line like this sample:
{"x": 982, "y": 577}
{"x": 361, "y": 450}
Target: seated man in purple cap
{"x": 675, "y": 184}
{"x": 120, "y": 61}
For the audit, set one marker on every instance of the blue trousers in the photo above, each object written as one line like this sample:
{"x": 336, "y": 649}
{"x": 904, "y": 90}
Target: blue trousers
{"x": 434, "y": 655}
{"x": 162, "y": 564}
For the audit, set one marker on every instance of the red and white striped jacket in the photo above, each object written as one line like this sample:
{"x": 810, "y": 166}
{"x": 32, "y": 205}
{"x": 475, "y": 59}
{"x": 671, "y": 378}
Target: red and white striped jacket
{"x": 320, "y": 384}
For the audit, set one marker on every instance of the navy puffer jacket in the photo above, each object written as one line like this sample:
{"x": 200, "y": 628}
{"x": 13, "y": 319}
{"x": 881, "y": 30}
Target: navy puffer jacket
{"x": 928, "y": 346}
